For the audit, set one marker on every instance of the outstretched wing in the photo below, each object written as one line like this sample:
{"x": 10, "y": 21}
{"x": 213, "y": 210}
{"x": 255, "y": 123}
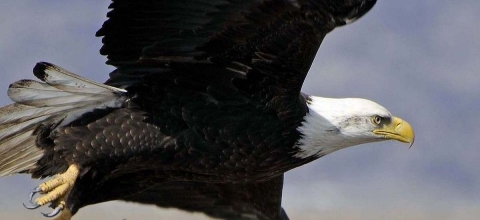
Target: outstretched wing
{"x": 225, "y": 201}
{"x": 268, "y": 45}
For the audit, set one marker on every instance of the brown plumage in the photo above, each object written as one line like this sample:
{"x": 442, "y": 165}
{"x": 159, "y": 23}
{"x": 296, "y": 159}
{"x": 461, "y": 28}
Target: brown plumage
{"x": 201, "y": 113}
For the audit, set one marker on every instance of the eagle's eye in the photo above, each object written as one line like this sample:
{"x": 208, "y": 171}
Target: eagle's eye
{"x": 376, "y": 119}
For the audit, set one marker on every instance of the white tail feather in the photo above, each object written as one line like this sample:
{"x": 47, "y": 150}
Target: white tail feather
{"x": 61, "y": 98}
{"x": 67, "y": 81}
{"x": 32, "y": 93}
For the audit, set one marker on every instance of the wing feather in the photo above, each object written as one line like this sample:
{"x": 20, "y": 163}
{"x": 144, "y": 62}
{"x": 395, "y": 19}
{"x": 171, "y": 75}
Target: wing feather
{"x": 267, "y": 46}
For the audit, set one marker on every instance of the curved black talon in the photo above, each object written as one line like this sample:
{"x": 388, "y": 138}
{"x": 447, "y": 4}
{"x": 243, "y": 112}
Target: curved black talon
{"x": 30, "y": 199}
{"x": 53, "y": 213}
{"x": 32, "y": 194}
{"x": 33, "y": 206}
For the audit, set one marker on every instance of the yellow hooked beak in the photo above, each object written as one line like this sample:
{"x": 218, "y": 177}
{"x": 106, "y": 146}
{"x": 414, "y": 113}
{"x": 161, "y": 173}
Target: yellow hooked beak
{"x": 397, "y": 129}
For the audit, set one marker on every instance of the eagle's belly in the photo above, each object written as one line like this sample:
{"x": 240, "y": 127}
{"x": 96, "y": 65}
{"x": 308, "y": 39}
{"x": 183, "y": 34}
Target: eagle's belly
{"x": 217, "y": 147}
{"x": 194, "y": 155}
{"x": 207, "y": 168}
{"x": 126, "y": 151}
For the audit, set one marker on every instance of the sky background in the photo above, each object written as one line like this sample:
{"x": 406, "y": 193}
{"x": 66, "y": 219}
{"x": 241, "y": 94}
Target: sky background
{"x": 419, "y": 59}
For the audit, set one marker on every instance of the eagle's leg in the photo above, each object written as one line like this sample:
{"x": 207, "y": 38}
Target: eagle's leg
{"x": 66, "y": 215}
{"x": 56, "y": 192}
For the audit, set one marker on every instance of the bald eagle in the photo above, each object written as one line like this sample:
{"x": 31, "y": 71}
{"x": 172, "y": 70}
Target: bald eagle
{"x": 204, "y": 111}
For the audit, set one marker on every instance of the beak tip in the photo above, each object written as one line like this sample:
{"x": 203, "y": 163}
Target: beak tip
{"x": 411, "y": 142}
{"x": 399, "y": 130}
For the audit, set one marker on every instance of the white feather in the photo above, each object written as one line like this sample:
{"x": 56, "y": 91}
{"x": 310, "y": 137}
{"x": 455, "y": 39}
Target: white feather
{"x": 333, "y": 124}
{"x": 42, "y": 98}
{"x": 19, "y": 153}
{"x": 61, "y": 98}
{"x": 67, "y": 81}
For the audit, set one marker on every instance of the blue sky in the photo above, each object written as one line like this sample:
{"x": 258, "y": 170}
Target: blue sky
{"x": 420, "y": 59}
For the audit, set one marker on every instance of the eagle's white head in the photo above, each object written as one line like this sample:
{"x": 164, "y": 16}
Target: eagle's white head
{"x": 333, "y": 124}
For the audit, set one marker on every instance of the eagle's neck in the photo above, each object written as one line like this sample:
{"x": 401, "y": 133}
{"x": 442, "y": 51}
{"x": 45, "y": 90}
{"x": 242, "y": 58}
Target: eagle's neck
{"x": 322, "y": 131}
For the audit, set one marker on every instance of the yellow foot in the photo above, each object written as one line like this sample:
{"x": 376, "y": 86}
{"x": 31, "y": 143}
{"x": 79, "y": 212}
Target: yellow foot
{"x": 56, "y": 193}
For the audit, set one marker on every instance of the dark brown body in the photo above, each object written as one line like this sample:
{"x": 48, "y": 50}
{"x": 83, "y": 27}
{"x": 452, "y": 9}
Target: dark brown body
{"x": 213, "y": 105}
